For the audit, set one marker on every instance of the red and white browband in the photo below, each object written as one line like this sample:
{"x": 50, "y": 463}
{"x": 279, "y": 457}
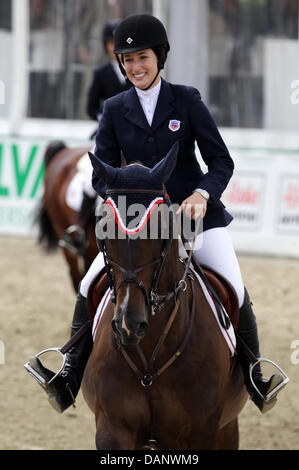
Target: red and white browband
{"x": 143, "y": 221}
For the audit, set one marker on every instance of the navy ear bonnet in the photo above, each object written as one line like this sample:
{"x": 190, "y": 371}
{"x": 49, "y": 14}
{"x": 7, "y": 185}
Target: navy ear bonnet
{"x": 121, "y": 182}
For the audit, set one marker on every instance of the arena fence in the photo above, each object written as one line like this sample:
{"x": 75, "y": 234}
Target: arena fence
{"x": 263, "y": 195}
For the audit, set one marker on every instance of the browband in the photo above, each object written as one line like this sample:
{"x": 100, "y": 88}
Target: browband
{"x": 156, "y": 192}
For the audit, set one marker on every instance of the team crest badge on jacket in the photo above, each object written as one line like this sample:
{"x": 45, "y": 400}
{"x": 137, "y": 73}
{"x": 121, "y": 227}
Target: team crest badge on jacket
{"x": 174, "y": 125}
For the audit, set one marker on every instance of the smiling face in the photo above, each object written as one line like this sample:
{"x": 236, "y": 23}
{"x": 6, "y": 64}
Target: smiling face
{"x": 141, "y": 68}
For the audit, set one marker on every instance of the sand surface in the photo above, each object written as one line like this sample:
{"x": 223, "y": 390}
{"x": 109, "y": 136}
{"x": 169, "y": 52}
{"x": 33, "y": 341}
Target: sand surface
{"x": 36, "y": 305}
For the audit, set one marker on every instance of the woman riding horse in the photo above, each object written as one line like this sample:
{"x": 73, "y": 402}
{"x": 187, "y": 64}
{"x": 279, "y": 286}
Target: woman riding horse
{"x": 144, "y": 123}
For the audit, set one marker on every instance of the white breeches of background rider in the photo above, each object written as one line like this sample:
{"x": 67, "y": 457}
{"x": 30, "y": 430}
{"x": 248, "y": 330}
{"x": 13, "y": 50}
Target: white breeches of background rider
{"x": 216, "y": 252}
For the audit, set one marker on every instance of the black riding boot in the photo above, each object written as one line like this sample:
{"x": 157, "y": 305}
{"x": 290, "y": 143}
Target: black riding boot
{"x": 247, "y": 333}
{"x": 74, "y": 237}
{"x": 63, "y": 390}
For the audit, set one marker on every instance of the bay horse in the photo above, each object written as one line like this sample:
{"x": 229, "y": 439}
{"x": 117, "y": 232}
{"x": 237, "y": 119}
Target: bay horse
{"x": 54, "y": 216}
{"x": 160, "y": 375}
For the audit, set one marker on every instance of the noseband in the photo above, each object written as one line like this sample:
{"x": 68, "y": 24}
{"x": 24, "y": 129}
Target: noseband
{"x": 152, "y": 299}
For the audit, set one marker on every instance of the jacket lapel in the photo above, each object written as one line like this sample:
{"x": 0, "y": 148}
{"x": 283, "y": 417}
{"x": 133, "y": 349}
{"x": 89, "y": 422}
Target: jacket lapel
{"x": 164, "y": 106}
{"x": 134, "y": 111}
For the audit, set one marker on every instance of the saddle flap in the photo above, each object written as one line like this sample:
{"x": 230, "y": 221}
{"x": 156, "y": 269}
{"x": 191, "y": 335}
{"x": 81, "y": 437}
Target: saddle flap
{"x": 226, "y": 294}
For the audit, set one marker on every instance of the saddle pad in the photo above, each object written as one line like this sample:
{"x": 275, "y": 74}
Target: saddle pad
{"x": 84, "y": 163}
{"x": 100, "y": 310}
{"x": 74, "y": 192}
{"x": 229, "y": 334}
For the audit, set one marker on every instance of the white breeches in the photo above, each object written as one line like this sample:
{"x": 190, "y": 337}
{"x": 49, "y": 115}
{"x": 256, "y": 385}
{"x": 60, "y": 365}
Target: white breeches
{"x": 216, "y": 252}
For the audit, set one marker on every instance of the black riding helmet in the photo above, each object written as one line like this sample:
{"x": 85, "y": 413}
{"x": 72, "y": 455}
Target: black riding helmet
{"x": 138, "y": 32}
{"x": 108, "y": 31}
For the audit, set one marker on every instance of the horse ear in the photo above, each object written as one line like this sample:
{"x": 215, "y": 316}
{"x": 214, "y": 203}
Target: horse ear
{"x": 162, "y": 171}
{"x": 103, "y": 171}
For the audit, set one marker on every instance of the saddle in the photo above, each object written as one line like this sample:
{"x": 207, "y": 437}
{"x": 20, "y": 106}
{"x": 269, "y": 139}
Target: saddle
{"x": 223, "y": 289}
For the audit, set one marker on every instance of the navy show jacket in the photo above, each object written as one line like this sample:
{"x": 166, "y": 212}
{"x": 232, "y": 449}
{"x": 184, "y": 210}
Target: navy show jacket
{"x": 105, "y": 84}
{"x": 124, "y": 128}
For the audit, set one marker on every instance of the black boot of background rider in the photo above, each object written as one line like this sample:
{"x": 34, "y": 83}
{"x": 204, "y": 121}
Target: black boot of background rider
{"x": 65, "y": 387}
{"x": 247, "y": 330}
{"x": 74, "y": 237}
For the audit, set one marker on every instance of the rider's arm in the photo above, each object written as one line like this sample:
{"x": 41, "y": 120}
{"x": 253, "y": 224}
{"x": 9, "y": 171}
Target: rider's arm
{"x": 212, "y": 148}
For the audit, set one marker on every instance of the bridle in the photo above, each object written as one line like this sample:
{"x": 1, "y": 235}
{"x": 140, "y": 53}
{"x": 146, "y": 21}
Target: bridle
{"x": 156, "y": 302}
{"x": 153, "y": 300}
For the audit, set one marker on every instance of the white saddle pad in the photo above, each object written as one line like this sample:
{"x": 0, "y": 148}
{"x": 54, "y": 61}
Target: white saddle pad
{"x": 229, "y": 334}
{"x": 84, "y": 163}
{"x": 81, "y": 181}
{"x": 100, "y": 310}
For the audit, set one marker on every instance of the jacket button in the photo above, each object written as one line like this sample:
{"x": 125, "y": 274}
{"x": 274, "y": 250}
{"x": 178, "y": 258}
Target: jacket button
{"x": 151, "y": 139}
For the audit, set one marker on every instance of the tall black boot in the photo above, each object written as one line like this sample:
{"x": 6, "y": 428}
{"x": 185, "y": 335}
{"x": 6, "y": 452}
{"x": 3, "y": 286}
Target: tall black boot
{"x": 74, "y": 238}
{"x": 63, "y": 389}
{"x": 248, "y": 350}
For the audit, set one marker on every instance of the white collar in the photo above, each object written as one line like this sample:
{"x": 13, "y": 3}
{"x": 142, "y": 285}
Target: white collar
{"x": 151, "y": 93}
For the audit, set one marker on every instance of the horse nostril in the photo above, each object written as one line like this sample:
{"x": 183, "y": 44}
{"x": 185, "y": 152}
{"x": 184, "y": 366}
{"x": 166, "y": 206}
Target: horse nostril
{"x": 143, "y": 327}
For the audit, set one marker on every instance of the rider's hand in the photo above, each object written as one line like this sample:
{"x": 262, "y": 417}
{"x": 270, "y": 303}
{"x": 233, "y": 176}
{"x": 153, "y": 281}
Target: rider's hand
{"x": 194, "y": 206}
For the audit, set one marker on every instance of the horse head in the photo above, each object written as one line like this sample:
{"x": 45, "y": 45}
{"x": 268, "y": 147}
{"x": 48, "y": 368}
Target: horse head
{"x": 134, "y": 249}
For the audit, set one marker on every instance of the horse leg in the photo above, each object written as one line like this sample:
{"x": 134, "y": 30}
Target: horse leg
{"x": 110, "y": 437}
{"x": 228, "y": 436}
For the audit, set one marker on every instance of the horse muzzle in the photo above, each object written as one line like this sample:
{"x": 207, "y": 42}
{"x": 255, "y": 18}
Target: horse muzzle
{"x": 129, "y": 330}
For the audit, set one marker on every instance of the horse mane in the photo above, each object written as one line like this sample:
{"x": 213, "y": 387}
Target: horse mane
{"x": 52, "y": 149}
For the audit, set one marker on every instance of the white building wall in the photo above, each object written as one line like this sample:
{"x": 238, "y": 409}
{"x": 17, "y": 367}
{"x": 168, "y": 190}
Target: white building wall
{"x": 281, "y": 84}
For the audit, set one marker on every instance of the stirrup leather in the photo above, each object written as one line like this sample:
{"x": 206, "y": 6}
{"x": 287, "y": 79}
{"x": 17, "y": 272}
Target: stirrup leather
{"x": 37, "y": 375}
{"x": 276, "y": 389}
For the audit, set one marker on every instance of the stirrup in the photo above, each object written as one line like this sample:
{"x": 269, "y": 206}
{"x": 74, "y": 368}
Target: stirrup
{"x": 67, "y": 241}
{"x": 37, "y": 375}
{"x": 276, "y": 389}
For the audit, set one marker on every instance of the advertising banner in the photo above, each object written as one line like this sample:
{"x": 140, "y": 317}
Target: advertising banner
{"x": 21, "y": 184}
{"x": 245, "y": 199}
{"x": 262, "y": 196}
{"x": 288, "y": 208}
